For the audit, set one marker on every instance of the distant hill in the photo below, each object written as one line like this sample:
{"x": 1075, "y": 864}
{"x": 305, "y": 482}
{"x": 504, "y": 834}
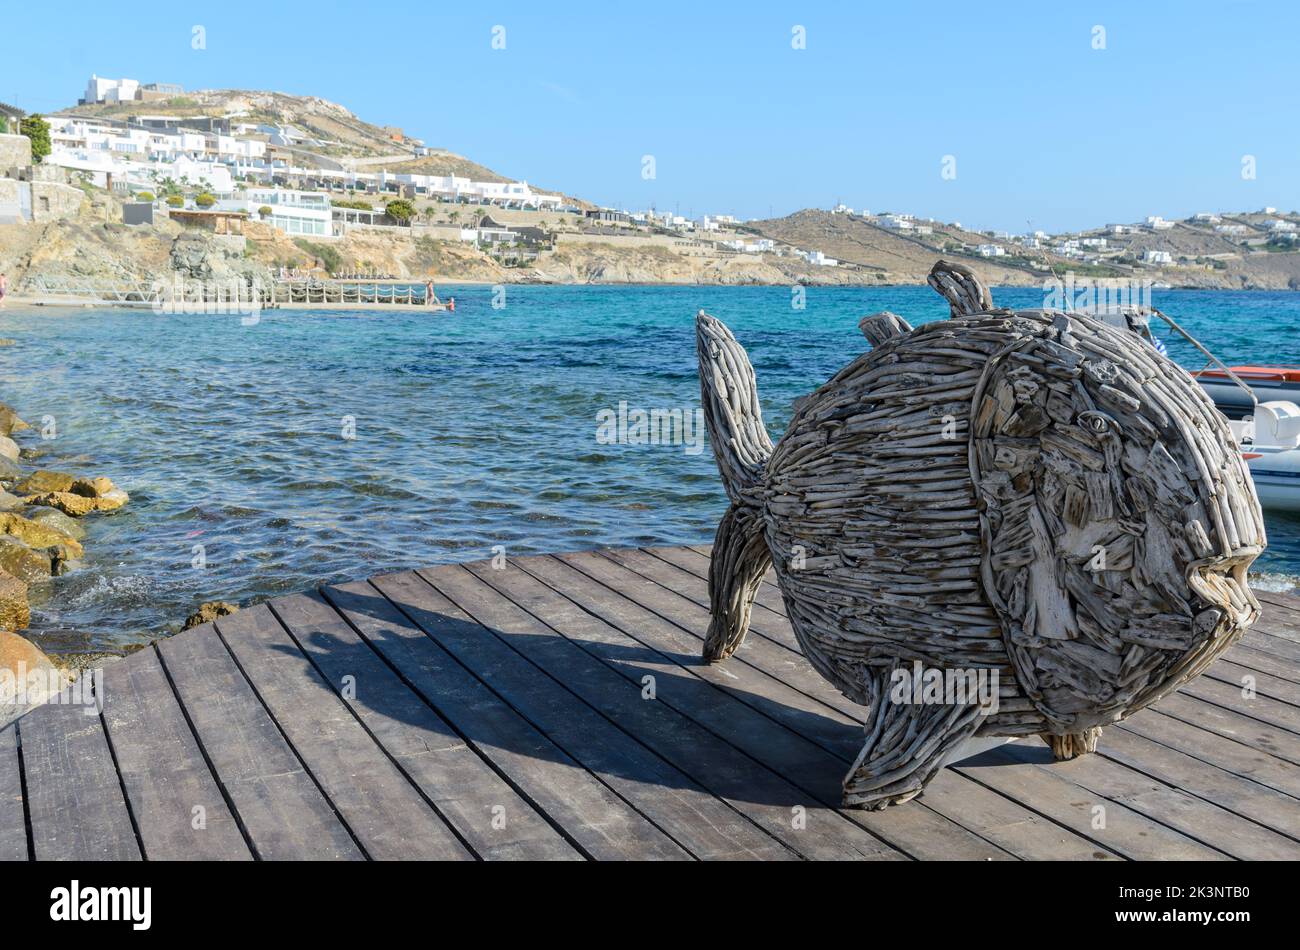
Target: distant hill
{"x": 1200, "y": 255}
{"x": 901, "y": 256}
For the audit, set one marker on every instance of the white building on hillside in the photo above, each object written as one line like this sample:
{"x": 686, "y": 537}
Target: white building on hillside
{"x": 294, "y": 212}
{"x": 895, "y": 222}
{"x": 110, "y": 90}
{"x": 1158, "y": 257}
{"x": 991, "y": 250}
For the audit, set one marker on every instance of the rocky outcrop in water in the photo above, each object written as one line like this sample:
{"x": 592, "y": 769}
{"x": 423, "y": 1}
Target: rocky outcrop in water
{"x": 197, "y": 255}
{"x": 208, "y": 612}
{"x": 71, "y": 495}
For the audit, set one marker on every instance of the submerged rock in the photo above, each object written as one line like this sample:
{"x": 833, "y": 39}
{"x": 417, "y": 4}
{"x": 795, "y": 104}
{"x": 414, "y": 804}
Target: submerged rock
{"x": 9, "y": 470}
{"x": 15, "y": 614}
{"x": 9, "y": 502}
{"x": 208, "y": 612}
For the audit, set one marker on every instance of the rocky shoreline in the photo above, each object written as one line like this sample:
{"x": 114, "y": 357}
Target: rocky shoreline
{"x": 41, "y": 538}
{"x": 94, "y": 246}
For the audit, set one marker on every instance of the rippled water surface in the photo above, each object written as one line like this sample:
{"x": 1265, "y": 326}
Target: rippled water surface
{"x": 471, "y": 430}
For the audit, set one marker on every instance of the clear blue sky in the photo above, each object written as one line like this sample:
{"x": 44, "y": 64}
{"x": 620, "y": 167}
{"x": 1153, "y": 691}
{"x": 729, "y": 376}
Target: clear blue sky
{"x": 1043, "y": 127}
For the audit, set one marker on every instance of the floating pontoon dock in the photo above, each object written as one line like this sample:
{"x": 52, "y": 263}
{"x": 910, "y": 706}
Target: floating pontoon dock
{"x": 227, "y": 297}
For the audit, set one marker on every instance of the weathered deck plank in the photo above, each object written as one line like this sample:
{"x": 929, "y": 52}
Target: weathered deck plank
{"x": 74, "y": 796}
{"x": 483, "y": 809}
{"x": 283, "y": 811}
{"x": 554, "y": 705}
{"x": 589, "y": 813}
{"x": 386, "y": 814}
{"x": 1228, "y": 754}
{"x": 179, "y": 810}
{"x": 469, "y": 712}
{"x": 13, "y": 816}
{"x": 1117, "y": 826}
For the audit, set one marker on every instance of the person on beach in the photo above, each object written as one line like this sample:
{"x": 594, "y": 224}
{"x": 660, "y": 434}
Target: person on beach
{"x": 428, "y": 293}
{"x": 4, "y": 288}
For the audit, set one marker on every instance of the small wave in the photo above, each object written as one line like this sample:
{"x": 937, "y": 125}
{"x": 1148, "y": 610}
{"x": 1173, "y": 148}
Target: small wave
{"x": 1275, "y": 583}
{"x": 131, "y": 588}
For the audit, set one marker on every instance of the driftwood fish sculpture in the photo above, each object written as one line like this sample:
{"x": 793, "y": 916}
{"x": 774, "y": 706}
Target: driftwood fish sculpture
{"x": 1032, "y": 498}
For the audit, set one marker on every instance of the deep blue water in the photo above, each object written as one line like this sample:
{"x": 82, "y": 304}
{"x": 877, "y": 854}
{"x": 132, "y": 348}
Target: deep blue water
{"x": 472, "y": 430}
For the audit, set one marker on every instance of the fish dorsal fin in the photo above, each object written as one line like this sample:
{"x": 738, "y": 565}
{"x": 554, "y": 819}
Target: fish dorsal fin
{"x": 884, "y": 326}
{"x": 958, "y": 284}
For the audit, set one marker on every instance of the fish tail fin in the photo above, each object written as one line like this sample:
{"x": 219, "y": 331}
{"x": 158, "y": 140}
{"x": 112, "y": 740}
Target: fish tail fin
{"x": 732, "y": 415}
{"x": 734, "y": 420}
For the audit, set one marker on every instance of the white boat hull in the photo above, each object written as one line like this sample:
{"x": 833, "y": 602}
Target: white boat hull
{"x": 1277, "y": 479}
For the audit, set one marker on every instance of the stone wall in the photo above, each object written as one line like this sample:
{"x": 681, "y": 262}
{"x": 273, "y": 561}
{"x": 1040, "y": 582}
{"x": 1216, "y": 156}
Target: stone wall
{"x": 9, "y": 207}
{"x": 52, "y": 201}
{"x": 15, "y": 153}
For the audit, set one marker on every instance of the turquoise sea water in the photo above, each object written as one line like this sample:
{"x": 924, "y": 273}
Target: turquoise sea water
{"x": 472, "y": 430}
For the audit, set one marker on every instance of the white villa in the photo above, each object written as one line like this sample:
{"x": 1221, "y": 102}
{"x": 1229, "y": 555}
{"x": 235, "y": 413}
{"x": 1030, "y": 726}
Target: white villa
{"x": 1158, "y": 257}
{"x": 991, "y": 250}
{"x": 111, "y": 90}
{"x": 293, "y": 212}
{"x": 895, "y": 222}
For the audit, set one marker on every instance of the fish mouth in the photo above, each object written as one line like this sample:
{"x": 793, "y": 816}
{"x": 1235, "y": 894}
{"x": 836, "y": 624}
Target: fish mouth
{"x": 1222, "y": 584}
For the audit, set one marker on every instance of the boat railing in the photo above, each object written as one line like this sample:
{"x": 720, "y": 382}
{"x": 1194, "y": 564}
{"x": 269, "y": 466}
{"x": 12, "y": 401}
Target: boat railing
{"x": 1213, "y": 360}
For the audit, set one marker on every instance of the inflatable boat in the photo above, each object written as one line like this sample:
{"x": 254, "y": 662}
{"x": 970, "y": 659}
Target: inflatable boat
{"x": 1270, "y": 443}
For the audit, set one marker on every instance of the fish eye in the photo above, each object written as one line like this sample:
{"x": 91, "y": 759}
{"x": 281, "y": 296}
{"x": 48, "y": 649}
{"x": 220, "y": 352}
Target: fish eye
{"x": 1096, "y": 422}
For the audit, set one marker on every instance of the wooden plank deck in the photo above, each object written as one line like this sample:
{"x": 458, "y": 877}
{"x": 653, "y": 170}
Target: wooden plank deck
{"x": 558, "y": 709}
